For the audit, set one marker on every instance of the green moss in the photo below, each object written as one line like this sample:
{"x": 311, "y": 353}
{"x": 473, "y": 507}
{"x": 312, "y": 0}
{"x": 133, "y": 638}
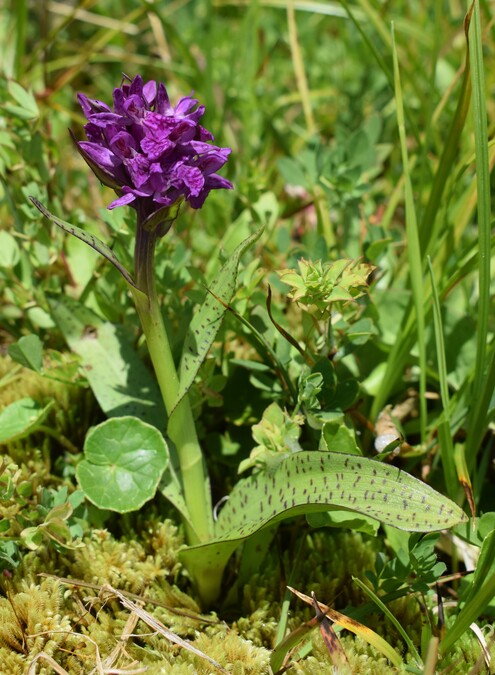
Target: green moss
{"x": 71, "y": 415}
{"x": 73, "y": 625}
{"x": 27, "y": 383}
{"x": 33, "y": 620}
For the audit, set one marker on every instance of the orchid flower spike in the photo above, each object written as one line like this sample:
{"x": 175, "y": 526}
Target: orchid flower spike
{"x": 151, "y": 153}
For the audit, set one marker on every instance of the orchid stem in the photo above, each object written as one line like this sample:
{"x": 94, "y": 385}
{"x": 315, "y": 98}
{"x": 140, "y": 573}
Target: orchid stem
{"x": 181, "y": 427}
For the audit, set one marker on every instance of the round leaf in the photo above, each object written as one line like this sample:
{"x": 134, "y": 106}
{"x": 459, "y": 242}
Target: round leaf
{"x": 124, "y": 461}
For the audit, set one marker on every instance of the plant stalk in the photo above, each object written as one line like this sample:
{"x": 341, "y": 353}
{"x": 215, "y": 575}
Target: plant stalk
{"x": 181, "y": 428}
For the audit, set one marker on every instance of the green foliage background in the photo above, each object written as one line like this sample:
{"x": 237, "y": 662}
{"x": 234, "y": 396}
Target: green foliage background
{"x": 306, "y": 95}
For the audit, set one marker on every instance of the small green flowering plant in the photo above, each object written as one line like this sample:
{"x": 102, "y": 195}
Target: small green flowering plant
{"x": 317, "y": 286}
{"x": 157, "y": 156}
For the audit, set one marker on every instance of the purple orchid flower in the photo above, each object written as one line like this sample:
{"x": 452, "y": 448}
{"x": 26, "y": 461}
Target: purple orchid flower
{"x": 152, "y": 154}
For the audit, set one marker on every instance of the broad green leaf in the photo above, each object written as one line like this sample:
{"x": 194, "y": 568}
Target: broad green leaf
{"x": 124, "y": 462}
{"x": 119, "y": 379}
{"x": 28, "y": 351}
{"x": 88, "y": 239}
{"x": 207, "y": 320}
{"x": 309, "y": 482}
{"x": 21, "y": 418}
{"x": 9, "y": 250}
{"x": 339, "y": 438}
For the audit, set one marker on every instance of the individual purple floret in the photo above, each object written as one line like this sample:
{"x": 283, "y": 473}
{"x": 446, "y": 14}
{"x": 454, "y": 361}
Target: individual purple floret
{"x": 151, "y": 153}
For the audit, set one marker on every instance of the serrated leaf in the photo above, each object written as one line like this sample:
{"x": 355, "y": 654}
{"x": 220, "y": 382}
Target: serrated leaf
{"x": 207, "y": 320}
{"x": 119, "y": 379}
{"x": 309, "y": 482}
{"x": 88, "y": 239}
{"x": 21, "y": 418}
{"x": 124, "y": 462}
{"x": 28, "y": 351}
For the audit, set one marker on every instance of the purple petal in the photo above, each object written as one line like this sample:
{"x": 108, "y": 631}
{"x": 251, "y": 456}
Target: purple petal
{"x": 212, "y": 161}
{"x": 90, "y": 105}
{"x": 167, "y": 199}
{"x": 134, "y": 106}
{"x": 94, "y": 133}
{"x": 106, "y": 118}
{"x": 197, "y": 114}
{"x": 138, "y": 168}
{"x": 162, "y": 104}
{"x": 157, "y": 178}
{"x": 100, "y": 155}
{"x": 203, "y": 134}
{"x": 183, "y": 132}
{"x": 136, "y": 86}
{"x": 156, "y": 148}
{"x": 112, "y": 179}
{"x": 118, "y": 101}
{"x": 122, "y": 201}
{"x": 216, "y": 182}
{"x": 192, "y": 178}
{"x": 197, "y": 202}
{"x": 185, "y": 105}
{"x": 149, "y": 93}
{"x": 159, "y": 125}
{"x": 201, "y": 148}
{"x": 123, "y": 145}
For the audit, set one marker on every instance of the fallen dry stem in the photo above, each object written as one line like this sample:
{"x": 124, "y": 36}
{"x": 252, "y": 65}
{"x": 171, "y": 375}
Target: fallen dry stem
{"x": 107, "y": 592}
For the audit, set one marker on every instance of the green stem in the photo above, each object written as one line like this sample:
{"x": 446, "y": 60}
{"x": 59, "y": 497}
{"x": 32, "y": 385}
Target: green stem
{"x": 181, "y": 428}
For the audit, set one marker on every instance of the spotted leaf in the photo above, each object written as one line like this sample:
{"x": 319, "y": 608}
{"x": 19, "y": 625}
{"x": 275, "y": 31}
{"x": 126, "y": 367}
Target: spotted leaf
{"x": 208, "y": 319}
{"x": 309, "y": 482}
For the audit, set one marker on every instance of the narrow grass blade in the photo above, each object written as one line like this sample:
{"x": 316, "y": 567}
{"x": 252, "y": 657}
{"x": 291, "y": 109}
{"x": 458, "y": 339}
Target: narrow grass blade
{"x": 21, "y": 12}
{"x": 428, "y": 234}
{"x": 429, "y": 225}
{"x": 413, "y": 247}
{"x": 484, "y": 226}
{"x": 378, "y": 602}
{"x": 481, "y": 593}
{"x": 446, "y": 443}
{"x": 284, "y": 610}
{"x": 299, "y": 69}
